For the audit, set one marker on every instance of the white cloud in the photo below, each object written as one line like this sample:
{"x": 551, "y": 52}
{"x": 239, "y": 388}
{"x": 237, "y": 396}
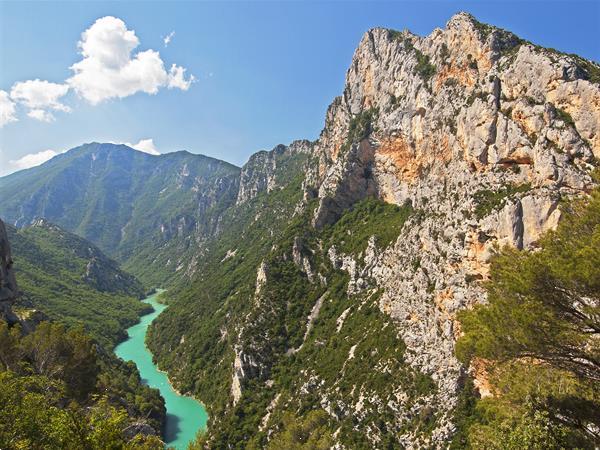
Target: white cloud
{"x": 143, "y": 145}
{"x": 7, "y": 109}
{"x": 168, "y": 38}
{"x": 177, "y": 78}
{"x": 146, "y": 146}
{"x": 40, "y": 94}
{"x": 109, "y": 70}
{"x": 41, "y": 115}
{"x": 31, "y": 160}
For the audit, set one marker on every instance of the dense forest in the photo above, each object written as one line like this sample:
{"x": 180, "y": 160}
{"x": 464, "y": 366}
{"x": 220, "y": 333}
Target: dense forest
{"x": 60, "y": 384}
{"x": 69, "y": 279}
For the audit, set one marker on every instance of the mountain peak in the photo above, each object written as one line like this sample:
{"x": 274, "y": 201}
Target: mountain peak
{"x": 461, "y": 19}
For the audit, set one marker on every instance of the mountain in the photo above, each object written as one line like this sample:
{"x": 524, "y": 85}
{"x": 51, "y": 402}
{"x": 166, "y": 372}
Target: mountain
{"x": 335, "y": 282}
{"x": 121, "y": 199}
{"x": 70, "y": 280}
{"x": 316, "y": 294}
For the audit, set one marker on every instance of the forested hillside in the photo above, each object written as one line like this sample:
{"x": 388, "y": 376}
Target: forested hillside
{"x": 69, "y": 279}
{"x": 126, "y": 202}
{"x": 59, "y": 388}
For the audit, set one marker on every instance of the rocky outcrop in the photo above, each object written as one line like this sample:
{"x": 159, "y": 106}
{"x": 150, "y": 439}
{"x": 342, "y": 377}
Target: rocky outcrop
{"x": 244, "y": 367}
{"x": 259, "y": 174}
{"x": 8, "y": 284}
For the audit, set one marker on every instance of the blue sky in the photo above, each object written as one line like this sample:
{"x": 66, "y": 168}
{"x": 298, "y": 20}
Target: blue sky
{"x": 264, "y": 72}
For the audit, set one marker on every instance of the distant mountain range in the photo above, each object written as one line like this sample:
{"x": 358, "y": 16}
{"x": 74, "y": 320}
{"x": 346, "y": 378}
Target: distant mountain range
{"x": 121, "y": 199}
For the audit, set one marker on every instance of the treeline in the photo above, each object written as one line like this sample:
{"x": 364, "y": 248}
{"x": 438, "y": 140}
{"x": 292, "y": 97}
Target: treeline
{"x": 536, "y": 343}
{"x": 59, "y": 390}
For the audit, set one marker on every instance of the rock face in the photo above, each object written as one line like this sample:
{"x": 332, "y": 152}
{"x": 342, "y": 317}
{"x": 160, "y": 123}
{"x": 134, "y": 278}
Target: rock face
{"x": 8, "y": 284}
{"x": 482, "y": 132}
{"x": 259, "y": 174}
{"x": 472, "y": 132}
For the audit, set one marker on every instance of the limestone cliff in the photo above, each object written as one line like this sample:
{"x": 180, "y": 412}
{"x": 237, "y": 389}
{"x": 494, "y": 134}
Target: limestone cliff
{"x": 8, "y": 284}
{"x": 472, "y": 137}
{"x": 484, "y": 133}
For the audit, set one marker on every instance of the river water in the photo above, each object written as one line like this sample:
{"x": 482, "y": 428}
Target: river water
{"x": 185, "y": 415}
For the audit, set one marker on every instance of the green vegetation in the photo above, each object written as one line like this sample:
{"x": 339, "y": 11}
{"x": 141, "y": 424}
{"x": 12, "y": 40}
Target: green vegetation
{"x": 424, "y": 67}
{"x": 565, "y": 117}
{"x": 310, "y": 432}
{"x": 444, "y": 52}
{"x": 483, "y": 29}
{"x": 264, "y": 229}
{"x": 395, "y": 34}
{"x": 367, "y": 218}
{"x": 487, "y": 201}
{"x": 221, "y": 294}
{"x": 360, "y": 127}
{"x": 51, "y": 267}
{"x": 124, "y": 201}
{"x": 591, "y": 68}
{"x": 54, "y": 394}
{"x": 538, "y": 338}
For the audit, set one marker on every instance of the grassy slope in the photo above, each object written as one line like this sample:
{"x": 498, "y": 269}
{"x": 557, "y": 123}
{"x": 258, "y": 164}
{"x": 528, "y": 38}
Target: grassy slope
{"x": 50, "y": 266}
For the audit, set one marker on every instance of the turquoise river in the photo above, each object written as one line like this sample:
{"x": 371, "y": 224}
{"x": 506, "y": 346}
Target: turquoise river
{"x": 185, "y": 415}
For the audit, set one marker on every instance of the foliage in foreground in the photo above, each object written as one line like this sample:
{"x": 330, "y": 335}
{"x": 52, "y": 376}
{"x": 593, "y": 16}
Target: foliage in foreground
{"x": 54, "y": 395}
{"x": 538, "y": 338}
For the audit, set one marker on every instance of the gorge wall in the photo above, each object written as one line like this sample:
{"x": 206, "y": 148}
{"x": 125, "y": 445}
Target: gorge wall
{"x": 325, "y": 277}
{"x": 8, "y": 283}
{"x": 475, "y": 136}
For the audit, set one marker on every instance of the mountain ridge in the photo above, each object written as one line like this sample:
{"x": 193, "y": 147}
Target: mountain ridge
{"x": 477, "y": 137}
{"x": 328, "y": 275}
{"x": 121, "y": 199}
{"x": 70, "y": 280}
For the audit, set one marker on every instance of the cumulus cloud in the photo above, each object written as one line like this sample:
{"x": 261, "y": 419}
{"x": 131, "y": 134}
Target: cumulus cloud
{"x": 168, "y": 38}
{"x": 31, "y": 160}
{"x": 7, "y": 109}
{"x": 145, "y": 145}
{"x": 110, "y": 70}
{"x": 177, "y": 78}
{"x": 41, "y": 115}
{"x": 40, "y": 94}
